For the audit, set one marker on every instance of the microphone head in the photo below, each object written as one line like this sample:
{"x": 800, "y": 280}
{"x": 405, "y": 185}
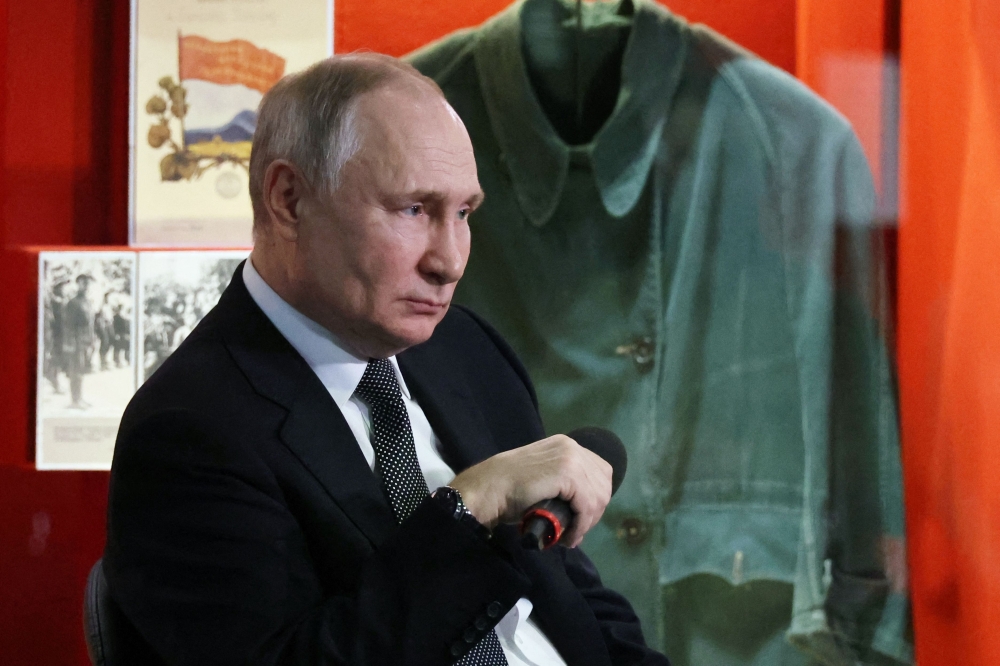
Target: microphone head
{"x": 606, "y": 444}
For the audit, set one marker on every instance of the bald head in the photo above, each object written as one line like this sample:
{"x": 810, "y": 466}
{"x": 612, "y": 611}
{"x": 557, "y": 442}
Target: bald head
{"x": 310, "y": 119}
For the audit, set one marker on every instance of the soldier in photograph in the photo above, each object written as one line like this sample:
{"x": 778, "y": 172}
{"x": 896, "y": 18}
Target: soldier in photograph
{"x": 79, "y": 339}
{"x": 122, "y": 329}
{"x": 104, "y": 331}
{"x": 54, "y": 361}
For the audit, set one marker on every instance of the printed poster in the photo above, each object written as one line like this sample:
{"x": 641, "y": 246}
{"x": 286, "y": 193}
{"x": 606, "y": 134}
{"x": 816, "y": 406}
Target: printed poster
{"x": 199, "y": 71}
{"x": 86, "y": 356}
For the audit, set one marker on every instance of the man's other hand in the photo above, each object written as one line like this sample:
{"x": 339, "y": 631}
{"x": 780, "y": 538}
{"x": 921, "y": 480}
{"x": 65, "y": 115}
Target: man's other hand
{"x": 501, "y": 488}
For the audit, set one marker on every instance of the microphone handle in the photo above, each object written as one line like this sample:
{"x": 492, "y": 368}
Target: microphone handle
{"x": 544, "y": 523}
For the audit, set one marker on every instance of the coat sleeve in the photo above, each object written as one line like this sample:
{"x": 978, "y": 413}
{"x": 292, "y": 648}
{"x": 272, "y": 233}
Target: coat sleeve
{"x": 209, "y": 564}
{"x": 867, "y": 601}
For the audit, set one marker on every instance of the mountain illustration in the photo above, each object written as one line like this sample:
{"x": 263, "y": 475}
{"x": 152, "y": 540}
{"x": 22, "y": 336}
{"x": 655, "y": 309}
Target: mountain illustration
{"x": 240, "y": 128}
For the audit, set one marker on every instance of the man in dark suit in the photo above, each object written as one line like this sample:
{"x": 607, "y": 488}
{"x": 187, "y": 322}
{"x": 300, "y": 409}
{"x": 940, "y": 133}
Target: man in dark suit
{"x": 284, "y": 489}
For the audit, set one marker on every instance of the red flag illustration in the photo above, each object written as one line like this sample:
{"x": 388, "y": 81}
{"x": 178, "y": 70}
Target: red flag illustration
{"x": 235, "y": 61}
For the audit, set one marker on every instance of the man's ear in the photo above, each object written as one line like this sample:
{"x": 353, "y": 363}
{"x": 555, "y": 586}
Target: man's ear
{"x": 284, "y": 190}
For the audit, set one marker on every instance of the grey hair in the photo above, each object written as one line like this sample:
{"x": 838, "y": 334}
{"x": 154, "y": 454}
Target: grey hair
{"x": 310, "y": 119}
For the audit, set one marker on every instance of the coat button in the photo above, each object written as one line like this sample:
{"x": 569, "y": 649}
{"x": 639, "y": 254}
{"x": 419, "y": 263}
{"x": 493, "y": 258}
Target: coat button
{"x": 470, "y": 636}
{"x": 457, "y": 649}
{"x": 493, "y": 610}
{"x": 481, "y": 623}
{"x": 642, "y": 351}
{"x": 632, "y": 531}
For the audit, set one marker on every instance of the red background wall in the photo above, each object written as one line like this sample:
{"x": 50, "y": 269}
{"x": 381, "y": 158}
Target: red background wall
{"x": 766, "y": 27}
{"x": 65, "y": 148}
{"x": 949, "y": 324}
{"x": 64, "y": 145}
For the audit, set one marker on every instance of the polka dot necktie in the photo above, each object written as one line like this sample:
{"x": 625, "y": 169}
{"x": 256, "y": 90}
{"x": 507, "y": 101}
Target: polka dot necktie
{"x": 392, "y": 439}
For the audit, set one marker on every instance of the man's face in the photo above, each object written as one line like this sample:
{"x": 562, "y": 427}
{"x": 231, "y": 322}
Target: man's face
{"x": 378, "y": 261}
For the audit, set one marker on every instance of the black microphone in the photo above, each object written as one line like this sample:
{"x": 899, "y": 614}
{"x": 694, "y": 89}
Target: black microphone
{"x": 545, "y": 522}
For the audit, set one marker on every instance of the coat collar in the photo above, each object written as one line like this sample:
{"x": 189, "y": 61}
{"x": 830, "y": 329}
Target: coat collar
{"x": 315, "y": 429}
{"x": 623, "y": 150}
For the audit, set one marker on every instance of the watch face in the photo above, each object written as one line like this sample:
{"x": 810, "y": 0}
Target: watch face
{"x": 453, "y": 500}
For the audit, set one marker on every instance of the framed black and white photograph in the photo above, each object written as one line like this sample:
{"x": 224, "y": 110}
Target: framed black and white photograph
{"x": 86, "y": 356}
{"x": 177, "y": 289}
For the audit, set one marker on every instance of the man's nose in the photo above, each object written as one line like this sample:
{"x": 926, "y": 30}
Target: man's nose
{"x": 446, "y": 255}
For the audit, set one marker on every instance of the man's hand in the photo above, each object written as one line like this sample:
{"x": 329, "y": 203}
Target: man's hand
{"x": 500, "y": 489}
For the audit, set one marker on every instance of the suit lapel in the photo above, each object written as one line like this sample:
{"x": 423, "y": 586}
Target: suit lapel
{"x": 444, "y": 395}
{"x": 314, "y": 430}
{"x": 318, "y": 435}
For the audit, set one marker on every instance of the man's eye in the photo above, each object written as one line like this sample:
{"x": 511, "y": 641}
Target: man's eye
{"x": 464, "y": 214}
{"x": 414, "y": 210}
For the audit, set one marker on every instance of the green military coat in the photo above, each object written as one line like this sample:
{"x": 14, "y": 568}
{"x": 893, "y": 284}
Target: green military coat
{"x": 701, "y": 278}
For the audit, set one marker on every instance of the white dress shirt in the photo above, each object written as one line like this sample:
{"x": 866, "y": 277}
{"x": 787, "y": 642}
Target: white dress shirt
{"x": 522, "y": 641}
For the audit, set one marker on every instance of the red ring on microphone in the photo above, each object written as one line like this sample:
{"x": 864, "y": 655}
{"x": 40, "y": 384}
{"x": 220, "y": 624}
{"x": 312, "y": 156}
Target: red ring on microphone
{"x": 557, "y": 526}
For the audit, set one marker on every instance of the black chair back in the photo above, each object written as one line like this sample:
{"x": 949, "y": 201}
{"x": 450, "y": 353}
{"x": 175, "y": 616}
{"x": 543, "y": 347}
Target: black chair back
{"x": 111, "y": 638}
{"x": 96, "y": 621}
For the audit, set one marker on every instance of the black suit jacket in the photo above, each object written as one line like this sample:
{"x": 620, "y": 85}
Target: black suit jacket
{"x": 245, "y": 526}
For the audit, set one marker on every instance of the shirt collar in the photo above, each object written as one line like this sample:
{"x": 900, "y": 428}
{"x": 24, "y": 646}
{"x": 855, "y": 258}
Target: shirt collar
{"x": 338, "y": 369}
{"x": 623, "y": 150}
